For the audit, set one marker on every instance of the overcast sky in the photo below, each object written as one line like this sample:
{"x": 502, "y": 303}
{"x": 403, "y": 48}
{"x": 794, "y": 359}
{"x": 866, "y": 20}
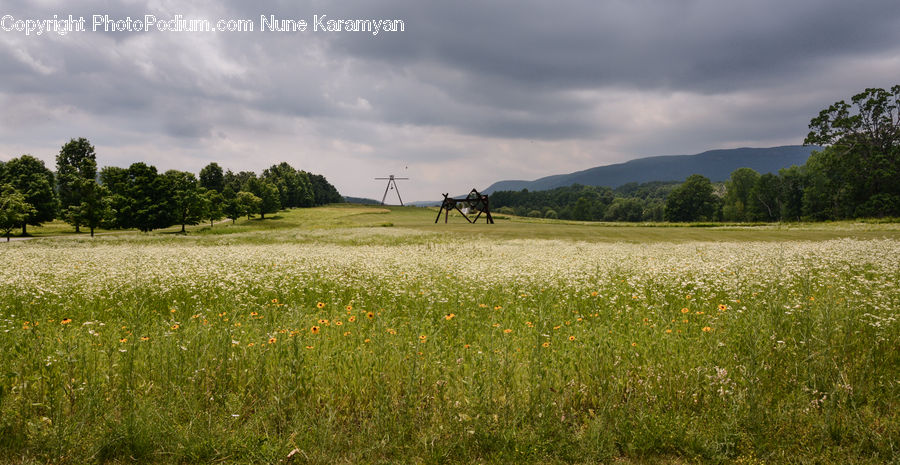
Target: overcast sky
{"x": 471, "y": 92}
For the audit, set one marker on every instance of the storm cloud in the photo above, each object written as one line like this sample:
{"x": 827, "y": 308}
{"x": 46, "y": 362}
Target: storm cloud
{"x": 469, "y": 93}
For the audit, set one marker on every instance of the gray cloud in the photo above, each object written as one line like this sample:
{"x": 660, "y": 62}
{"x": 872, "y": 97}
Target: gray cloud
{"x": 534, "y": 87}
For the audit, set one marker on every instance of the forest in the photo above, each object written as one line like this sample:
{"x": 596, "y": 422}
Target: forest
{"x": 140, "y": 197}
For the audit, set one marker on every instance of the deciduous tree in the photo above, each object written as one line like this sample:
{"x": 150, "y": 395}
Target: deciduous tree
{"x": 95, "y": 206}
{"x": 692, "y": 201}
{"x": 267, "y": 193}
{"x": 737, "y": 194}
{"x": 184, "y": 197}
{"x": 139, "y": 197}
{"x": 764, "y": 202}
{"x": 861, "y": 163}
{"x": 793, "y": 182}
{"x": 76, "y": 166}
{"x": 13, "y": 209}
{"x": 213, "y": 206}
{"x": 34, "y": 181}
{"x": 248, "y": 204}
{"x": 625, "y": 210}
{"x": 323, "y": 191}
{"x": 212, "y": 178}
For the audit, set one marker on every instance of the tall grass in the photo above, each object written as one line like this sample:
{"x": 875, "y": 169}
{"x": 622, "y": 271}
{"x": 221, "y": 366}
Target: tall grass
{"x": 155, "y": 350}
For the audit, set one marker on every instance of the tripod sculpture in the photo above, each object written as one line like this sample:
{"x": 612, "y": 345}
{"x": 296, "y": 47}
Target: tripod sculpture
{"x": 391, "y": 184}
{"x": 475, "y": 201}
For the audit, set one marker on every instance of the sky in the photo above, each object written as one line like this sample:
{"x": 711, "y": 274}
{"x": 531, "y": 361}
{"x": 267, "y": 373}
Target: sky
{"x": 468, "y": 93}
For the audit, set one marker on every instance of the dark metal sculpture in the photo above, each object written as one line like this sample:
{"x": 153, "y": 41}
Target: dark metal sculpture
{"x": 391, "y": 185}
{"x": 475, "y": 201}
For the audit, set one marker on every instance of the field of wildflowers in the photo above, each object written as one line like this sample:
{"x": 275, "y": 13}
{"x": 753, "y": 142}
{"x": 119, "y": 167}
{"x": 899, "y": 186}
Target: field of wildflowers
{"x": 394, "y": 345}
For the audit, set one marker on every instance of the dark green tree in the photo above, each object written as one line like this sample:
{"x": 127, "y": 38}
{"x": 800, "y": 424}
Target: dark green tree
{"x": 821, "y": 193}
{"x": 284, "y": 177}
{"x": 231, "y": 207}
{"x": 13, "y": 209}
{"x": 625, "y": 210}
{"x": 269, "y": 197}
{"x": 35, "y": 182}
{"x": 764, "y": 202}
{"x": 95, "y": 208}
{"x": 692, "y": 201}
{"x": 212, "y": 178}
{"x": 238, "y": 182}
{"x": 655, "y": 210}
{"x": 294, "y": 188}
{"x": 599, "y": 200}
{"x": 306, "y": 196}
{"x": 861, "y": 162}
{"x": 184, "y": 197}
{"x": 737, "y": 194}
{"x": 213, "y": 206}
{"x": 76, "y": 166}
{"x": 151, "y": 198}
{"x": 582, "y": 209}
{"x": 323, "y": 191}
{"x": 115, "y": 180}
{"x": 793, "y": 182}
{"x": 270, "y": 200}
{"x": 248, "y": 204}
{"x": 139, "y": 197}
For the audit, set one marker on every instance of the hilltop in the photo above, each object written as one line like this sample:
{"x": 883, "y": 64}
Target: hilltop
{"x": 717, "y": 165}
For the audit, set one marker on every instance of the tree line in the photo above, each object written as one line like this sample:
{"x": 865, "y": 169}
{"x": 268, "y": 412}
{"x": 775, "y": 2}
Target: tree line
{"x": 856, "y": 175}
{"x": 140, "y": 197}
{"x": 629, "y": 202}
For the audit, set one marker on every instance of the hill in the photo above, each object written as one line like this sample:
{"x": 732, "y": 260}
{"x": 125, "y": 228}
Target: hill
{"x": 717, "y": 165}
{"x": 361, "y": 200}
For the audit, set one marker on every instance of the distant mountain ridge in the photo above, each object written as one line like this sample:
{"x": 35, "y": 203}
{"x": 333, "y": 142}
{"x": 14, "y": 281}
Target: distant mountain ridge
{"x": 717, "y": 165}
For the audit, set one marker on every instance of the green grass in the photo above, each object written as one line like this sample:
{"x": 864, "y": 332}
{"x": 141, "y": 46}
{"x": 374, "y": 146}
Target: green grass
{"x": 345, "y": 216}
{"x": 61, "y": 228}
{"x": 519, "y": 342}
{"x": 513, "y": 227}
{"x": 54, "y": 228}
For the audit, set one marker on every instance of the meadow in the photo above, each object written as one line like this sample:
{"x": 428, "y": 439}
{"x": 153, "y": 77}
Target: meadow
{"x": 351, "y": 334}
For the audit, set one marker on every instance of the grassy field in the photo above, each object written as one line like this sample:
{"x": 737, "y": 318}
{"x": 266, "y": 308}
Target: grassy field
{"x": 356, "y": 334}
